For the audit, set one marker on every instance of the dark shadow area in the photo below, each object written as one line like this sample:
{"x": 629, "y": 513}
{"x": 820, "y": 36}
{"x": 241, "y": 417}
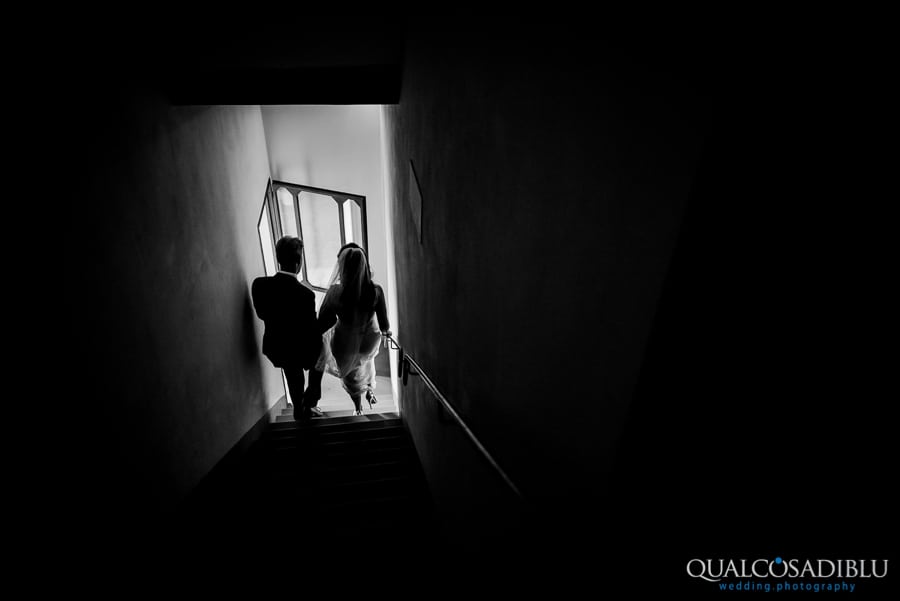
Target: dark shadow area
{"x": 368, "y": 84}
{"x": 759, "y": 425}
{"x": 333, "y": 503}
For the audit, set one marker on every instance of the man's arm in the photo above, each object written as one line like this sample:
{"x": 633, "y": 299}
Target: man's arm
{"x": 327, "y": 315}
{"x": 309, "y": 310}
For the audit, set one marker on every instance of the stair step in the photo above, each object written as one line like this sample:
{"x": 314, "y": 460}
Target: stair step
{"x": 338, "y": 444}
{"x": 382, "y": 468}
{"x": 353, "y": 457}
{"x": 318, "y": 422}
{"x": 366, "y": 467}
{"x": 332, "y": 414}
{"x": 360, "y": 531}
{"x": 303, "y": 461}
{"x": 358, "y": 476}
{"x": 384, "y": 406}
{"x": 327, "y": 494}
{"x": 375, "y": 504}
{"x": 333, "y": 427}
{"x": 360, "y": 526}
{"x": 330, "y": 441}
{"x": 363, "y": 526}
{"x": 334, "y": 432}
{"x": 388, "y": 483}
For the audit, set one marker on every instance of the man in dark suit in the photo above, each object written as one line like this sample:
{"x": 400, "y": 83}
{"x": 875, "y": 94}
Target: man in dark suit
{"x": 292, "y": 340}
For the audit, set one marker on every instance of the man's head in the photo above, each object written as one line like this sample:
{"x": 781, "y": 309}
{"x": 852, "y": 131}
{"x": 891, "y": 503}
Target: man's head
{"x": 289, "y": 253}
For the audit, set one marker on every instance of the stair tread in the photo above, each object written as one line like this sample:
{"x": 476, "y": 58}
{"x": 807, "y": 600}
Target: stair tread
{"x": 329, "y": 424}
{"x": 364, "y": 464}
{"x": 362, "y": 468}
{"x": 380, "y": 407}
{"x": 306, "y": 459}
{"x": 336, "y": 440}
{"x": 330, "y": 445}
{"x": 345, "y": 413}
{"x": 343, "y": 466}
{"x": 352, "y": 470}
{"x": 315, "y": 435}
{"x": 380, "y": 500}
{"x": 318, "y": 422}
{"x": 325, "y": 470}
{"x": 409, "y": 478}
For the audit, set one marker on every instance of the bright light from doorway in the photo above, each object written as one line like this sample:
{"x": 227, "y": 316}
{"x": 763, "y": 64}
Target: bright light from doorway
{"x": 348, "y": 221}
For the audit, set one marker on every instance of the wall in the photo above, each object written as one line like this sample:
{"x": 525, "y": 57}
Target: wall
{"x": 762, "y": 374}
{"x": 554, "y": 177}
{"x": 336, "y": 148}
{"x": 163, "y": 251}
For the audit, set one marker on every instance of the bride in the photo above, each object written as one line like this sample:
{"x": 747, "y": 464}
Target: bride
{"x": 354, "y": 318}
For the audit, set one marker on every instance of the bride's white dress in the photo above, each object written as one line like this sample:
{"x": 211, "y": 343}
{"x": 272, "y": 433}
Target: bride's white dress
{"x": 350, "y": 346}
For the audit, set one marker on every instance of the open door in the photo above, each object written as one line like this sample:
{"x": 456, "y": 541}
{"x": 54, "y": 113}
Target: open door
{"x": 325, "y": 220}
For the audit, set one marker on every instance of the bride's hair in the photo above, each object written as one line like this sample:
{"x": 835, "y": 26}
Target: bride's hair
{"x": 365, "y": 254}
{"x": 357, "y": 290}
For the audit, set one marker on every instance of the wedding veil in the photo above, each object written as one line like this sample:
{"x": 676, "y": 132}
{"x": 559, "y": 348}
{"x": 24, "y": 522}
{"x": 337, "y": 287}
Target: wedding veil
{"x": 352, "y": 272}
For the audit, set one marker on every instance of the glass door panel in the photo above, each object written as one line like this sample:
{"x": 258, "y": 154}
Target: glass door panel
{"x": 321, "y": 225}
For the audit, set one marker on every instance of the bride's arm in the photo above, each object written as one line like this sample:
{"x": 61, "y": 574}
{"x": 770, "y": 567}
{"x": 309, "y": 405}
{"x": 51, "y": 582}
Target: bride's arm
{"x": 381, "y": 311}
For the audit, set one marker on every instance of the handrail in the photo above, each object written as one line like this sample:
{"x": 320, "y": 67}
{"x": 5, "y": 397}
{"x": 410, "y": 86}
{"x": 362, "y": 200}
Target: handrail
{"x": 405, "y": 361}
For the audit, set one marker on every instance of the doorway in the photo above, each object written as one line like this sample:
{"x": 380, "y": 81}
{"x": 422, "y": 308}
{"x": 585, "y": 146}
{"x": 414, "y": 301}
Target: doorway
{"x": 324, "y": 220}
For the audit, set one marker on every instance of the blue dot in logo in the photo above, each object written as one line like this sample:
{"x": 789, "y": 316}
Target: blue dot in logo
{"x": 777, "y": 560}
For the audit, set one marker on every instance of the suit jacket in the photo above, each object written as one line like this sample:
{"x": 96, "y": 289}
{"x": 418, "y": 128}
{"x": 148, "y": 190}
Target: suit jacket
{"x": 288, "y": 309}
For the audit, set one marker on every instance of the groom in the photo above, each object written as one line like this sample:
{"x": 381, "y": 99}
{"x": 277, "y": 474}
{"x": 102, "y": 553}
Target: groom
{"x": 291, "y": 340}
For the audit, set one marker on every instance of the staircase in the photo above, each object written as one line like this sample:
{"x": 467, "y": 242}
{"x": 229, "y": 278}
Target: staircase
{"x": 328, "y": 489}
{"x": 358, "y": 474}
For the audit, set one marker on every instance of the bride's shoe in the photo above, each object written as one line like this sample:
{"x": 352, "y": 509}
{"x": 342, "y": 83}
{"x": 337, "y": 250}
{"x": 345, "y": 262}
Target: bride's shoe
{"x": 357, "y": 403}
{"x": 370, "y": 398}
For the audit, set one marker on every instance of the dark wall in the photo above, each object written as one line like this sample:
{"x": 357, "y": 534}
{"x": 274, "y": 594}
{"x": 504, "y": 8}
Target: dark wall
{"x": 553, "y": 176}
{"x": 759, "y": 419}
{"x": 161, "y": 249}
{"x": 652, "y": 278}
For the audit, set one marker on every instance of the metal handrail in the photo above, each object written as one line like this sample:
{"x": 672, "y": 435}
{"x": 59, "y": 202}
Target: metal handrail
{"x": 405, "y": 362}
